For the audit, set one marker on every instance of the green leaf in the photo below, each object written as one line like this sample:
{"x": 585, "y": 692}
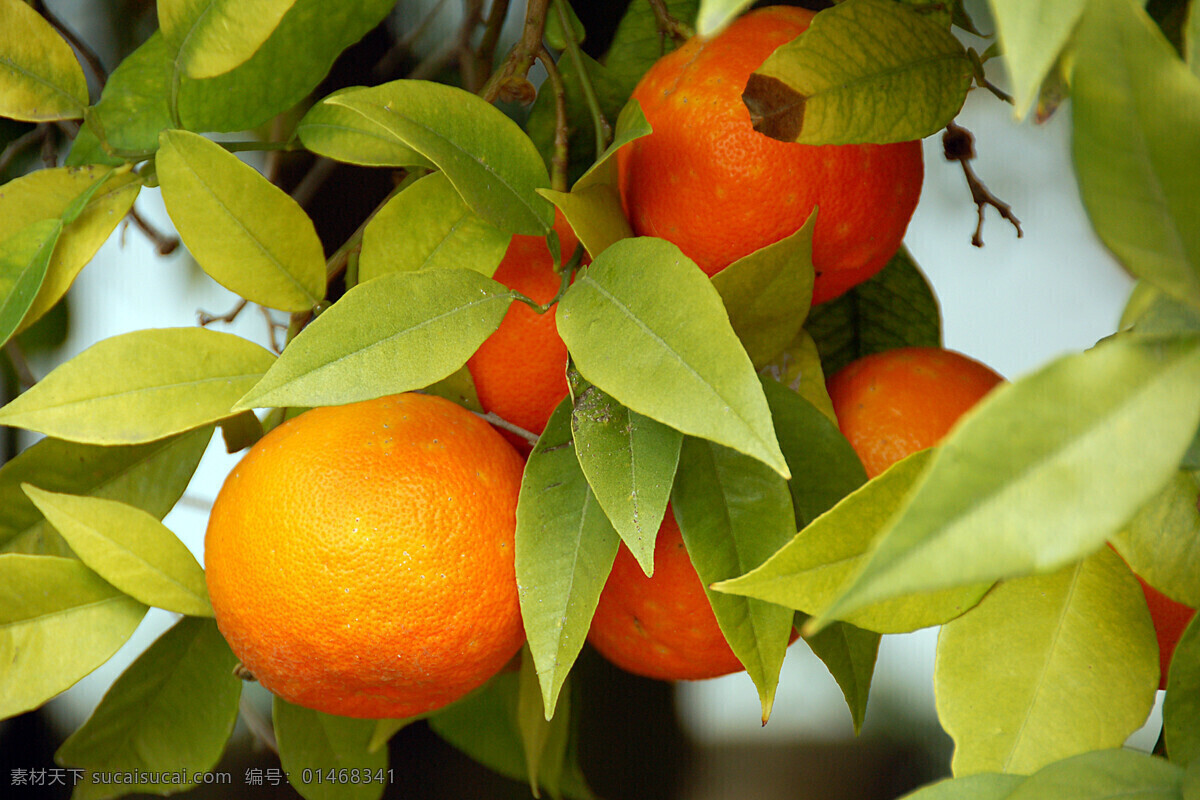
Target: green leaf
{"x": 24, "y": 258}
{"x": 798, "y": 368}
{"x": 129, "y": 548}
{"x": 631, "y": 124}
{"x": 565, "y": 548}
{"x": 1033, "y": 34}
{"x": 58, "y": 622}
{"x": 767, "y": 294}
{"x": 1015, "y": 677}
{"x": 1136, "y": 124}
{"x": 849, "y": 653}
{"x": 983, "y": 786}
{"x": 281, "y": 73}
{"x": 151, "y": 476}
{"x": 40, "y": 78}
{"x": 715, "y": 15}
{"x": 645, "y": 325}
{"x": 637, "y": 42}
{"x": 629, "y": 461}
{"x": 1191, "y": 38}
{"x": 556, "y": 33}
{"x": 133, "y": 104}
{"x": 337, "y": 132}
{"x": 1152, "y": 311}
{"x": 734, "y": 512}
{"x": 488, "y": 158}
{"x": 171, "y": 711}
{"x": 315, "y": 748}
{"x": 1161, "y": 543}
{"x": 135, "y": 387}
{"x": 48, "y": 194}
{"x": 594, "y": 213}
{"x": 865, "y": 71}
{"x": 396, "y": 333}
{"x": 824, "y": 466}
{"x": 544, "y": 740}
{"x": 212, "y": 37}
{"x": 1104, "y": 775}
{"x": 896, "y": 308}
{"x": 246, "y": 233}
{"x": 1181, "y": 705}
{"x": 813, "y": 569}
{"x": 1075, "y": 448}
{"x": 428, "y": 226}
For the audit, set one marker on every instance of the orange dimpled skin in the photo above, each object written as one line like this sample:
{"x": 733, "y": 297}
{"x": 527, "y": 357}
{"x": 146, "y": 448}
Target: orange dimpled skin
{"x": 661, "y": 627}
{"x": 360, "y": 557}
{"x": 892, "y": 404}
{"x": 707, "y": 181}
{"x": 520, "y": 371}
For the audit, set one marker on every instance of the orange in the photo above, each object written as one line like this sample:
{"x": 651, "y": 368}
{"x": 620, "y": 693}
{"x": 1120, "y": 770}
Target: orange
{"x": 892, "y": 404}
{"x": 707, "y": 181}
{"x": 360, "y": 557}
{"x": 661, "y": 627}
{"x": 520, "y": 371}
{"x": 1170, "y": 619}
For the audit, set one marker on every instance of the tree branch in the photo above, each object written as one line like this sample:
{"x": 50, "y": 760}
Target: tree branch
{"x": 959, "y": 145}
{"x": 511, "y": 81}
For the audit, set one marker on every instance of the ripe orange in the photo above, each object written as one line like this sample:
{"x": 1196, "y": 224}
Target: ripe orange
{"x": 1170, "y": 619}
{"x": 360, "y": 557}
{"x": 661, "y": 627}
{"x": 892, "y": 404}
{"x": 707, "y": 181}
{"x": 520, "y": 371}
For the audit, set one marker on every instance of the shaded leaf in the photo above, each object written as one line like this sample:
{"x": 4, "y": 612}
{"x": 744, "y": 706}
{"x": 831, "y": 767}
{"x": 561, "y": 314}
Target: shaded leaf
{"x": 132, "y": 109}
{"x": 246, "y": 233}
{"x": 212, "y": 37}
{"x": 311, "y": 744}
{"x": 1101, "y": 775}
{"x": 798, "y": 368}
{"x": 24, "y": 258}
{"x": 1181, "y": 704}
{"x": 1075, "y": 448}
{"x": 136, "y": 387}
{"x": 1161, "y": 543}
{"x": 1047, "y": 667}
{"x": 631, "y": 124}
{"x": 644, "y": 324}
{"x": 734, "y": 512}
{"x": 396, "y": 333}
{"x": 982, "y": 786}
{"x": 129, "y": 548}
{"x": 838, "y": 82}
{"x": 629, "y": 461}
{"x": 171, "y": 711}
{"x": 58, "y": 622}
{"x": 1033, "y": 34}
{"x": 428, "y": 226}
{"x": 849, "y": 653}
{"x": 543, "y": 740}
{"x": 637, "y": 42}
{"x": 40, "y": 78}
{"x": 488, "y": 158}
{"x": 565, "y": 548}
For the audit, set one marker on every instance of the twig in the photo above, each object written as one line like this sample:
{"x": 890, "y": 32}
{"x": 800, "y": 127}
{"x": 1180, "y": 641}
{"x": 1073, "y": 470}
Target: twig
{"x": 205, "y": 319}
{"x": 19, "y": 145}
{"x": 20, "y": 364}
{"x": 511, "y": 81}
{"x": 600, "y": 124}
{"x": 165, "y": 244}
{"x": 560, "y": 162}
{"x": 667, "y": 24}
{"x": 468, "y": 67}
{"x": 273, "y": 329}
{"x": 959, "y": 145}
{"x": 500, "y": 422}
{"x": 321, "y": 170}
{"x": 259, "y": 727}
{"x": 486, "y": 52}
{"x": 89, "y": 55}
{"x": 404, "y": 45}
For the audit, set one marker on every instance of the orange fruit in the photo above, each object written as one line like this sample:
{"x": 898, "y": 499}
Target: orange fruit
{"x": 520, "y": 371}
{"x": 707, "y": 181}
{"x": 360, "y": 557}
{"x": 661, "y": 627}
{"x": 892, "y": 404}
{"x": 1170, "y": 619}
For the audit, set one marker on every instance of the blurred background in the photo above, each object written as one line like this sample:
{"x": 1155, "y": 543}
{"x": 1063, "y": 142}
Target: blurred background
{"x": 1014, "y": 304}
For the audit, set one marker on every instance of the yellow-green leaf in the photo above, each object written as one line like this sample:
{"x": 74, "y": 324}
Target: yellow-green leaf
{"x": 715, "y": 15}
{"x": 212, "y": 37}
{"x": 58, "y": 622}
{"x": 247, "y": 233}
{"x": 141, "y": 386}
{"x": 594, "y": 213}
{"x": 24, "y": 258}
{"x": 312, "y": 743}
{"x": 339, "y": 133}
{"x": 129, "y": 548}
{"x": 1032, "y": 34}
{"x": 40, "y": 78}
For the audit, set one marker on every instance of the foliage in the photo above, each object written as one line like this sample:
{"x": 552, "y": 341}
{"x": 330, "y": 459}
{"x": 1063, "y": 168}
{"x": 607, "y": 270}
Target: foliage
{"x": 706, "y": 393}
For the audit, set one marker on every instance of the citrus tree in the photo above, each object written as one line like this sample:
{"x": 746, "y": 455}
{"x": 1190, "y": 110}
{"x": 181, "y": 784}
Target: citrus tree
{"x": 651, "y": 331}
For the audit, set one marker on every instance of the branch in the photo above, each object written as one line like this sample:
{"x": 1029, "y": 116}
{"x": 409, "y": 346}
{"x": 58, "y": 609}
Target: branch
{"x": 959, "y": 145}
{"x": 511, "y": 81}
{"x": 492, "y": 418}
{"x": 667, "y": 24}
{"x": 20, "y": 364}
{"x": 165, "y": 244}
{"x": 600, "y": 124}
{"x": 560, "y": 162}
{"x": 486, "y": 54}
{"x": 88, "y": 54}
{"x": 26, "y": 140}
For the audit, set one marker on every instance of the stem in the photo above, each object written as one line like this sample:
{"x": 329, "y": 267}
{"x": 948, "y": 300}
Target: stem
{"x": 205, "y": 319}
{"x": 512, "y": 78}
{"x": 88, "y": 54}
{"x": 19, "y": 145}
{"x": 20, "y": 364}
{"x": 486, "y": 54}
{"x": 600, "y": 124}
{"x": 667, "y": 24}
{"x": 165, "y": 244}
{"x": 500, "y": 422}
{"x": 560, "y": 162}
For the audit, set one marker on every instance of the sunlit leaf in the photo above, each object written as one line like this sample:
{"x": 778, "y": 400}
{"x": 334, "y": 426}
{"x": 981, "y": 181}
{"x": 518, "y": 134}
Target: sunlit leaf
{"x": 339, "y": 133}
{"x": 40, "y": 78}
{"x": 1047, "y": 667}
{"x": 982, "y": 786}
{"x": 396, "y": 333}
{"x": 1181, "y": 706}
{"x": 212, "y": 37}
{"x": 1032, "y": 33}
{"x": 849, "y": 654}
{"x": 247, "y": 233}
{"x": 715, "y": 15}
{"x": 136, "y": 387}
{"x": 594, "y": 213}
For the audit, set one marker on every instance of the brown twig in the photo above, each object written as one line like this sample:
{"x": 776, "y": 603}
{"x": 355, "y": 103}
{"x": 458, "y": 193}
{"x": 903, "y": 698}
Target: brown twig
{"x": 511, "y": 81}
{"x": 486, "y": 53}
{"x": 959, "y": 145}
{"x": 205, "y": 319}
{"x": 20, "y": 364}
{"x": 165, "y": 244}
{"x": 667, "y": 24}
{"x": 273, "y": 329}
{"x": 390, "y": 63}
{"x": 88, "y": 54}
{"x": 560, "y": 162}
{"x": 320, "y": 171}
{"x": 26, "y": 140}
